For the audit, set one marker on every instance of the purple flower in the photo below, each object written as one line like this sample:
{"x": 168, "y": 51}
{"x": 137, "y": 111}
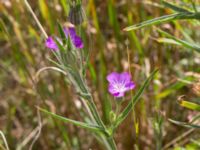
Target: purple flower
{"x": 76, "y": 40}
{"x": 119, "y": 83}
{"x": 69, "y": 32}
{"x": 50, "y": 43}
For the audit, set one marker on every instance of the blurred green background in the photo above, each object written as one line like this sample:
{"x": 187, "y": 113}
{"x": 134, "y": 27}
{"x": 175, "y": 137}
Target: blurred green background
{"x": 23, "y": 53}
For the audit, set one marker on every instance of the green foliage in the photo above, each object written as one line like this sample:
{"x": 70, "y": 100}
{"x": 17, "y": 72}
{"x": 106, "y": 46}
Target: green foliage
{"x": 174, "y": 7}
{"x": 189, "y": 105}
{"x": 173, "y": 40}
{"x": 184, "y": 124}
{"x": 91, "y": 127}
{"x": 23, "y": 54}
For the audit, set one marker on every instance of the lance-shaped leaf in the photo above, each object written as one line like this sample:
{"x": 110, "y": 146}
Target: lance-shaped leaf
{"x": 90, "y": 127}
{"x": 174, "y": 40}
{"x": 174, "y": 7}
{"x": 134, "y": 100}
{"x": 184, "y": 124}
{"x": 189, "y": 105}
{"x": 167, "y": 40}
{"x": 163, "y": 19}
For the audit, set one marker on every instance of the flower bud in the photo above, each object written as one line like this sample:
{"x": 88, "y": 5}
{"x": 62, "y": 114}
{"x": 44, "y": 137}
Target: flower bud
{"x": 112, "y": 116}
{"x": 76, "y": 14}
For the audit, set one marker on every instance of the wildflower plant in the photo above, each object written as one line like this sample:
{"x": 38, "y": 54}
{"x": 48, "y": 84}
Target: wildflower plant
{"x": 67, "y": 52}
{"x": 67, "y": 49}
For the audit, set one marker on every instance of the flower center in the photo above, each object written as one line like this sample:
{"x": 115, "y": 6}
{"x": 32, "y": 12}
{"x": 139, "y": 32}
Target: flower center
{"x": 120, "y": 87}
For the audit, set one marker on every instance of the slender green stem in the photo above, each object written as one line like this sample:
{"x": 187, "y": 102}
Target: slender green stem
{"x": 95, "y": 112}
{"x": 112, "y": 143}
{"x": 118, "y": 105}
{"x": 94, "y": 115}
{"x": 109, "y": 143}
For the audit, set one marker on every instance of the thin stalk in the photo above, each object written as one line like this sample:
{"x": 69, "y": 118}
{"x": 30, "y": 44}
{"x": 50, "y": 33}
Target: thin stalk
{"x": 92, "y": 110}
{"x": 90, "y": 102}
{"x": 109, "y": 143}
{"x": 35, "y": 18}
{"x": 4, "y": 139}
{"x": 88, "y": 110}
{"x": 112, "y": 143}
{"x": 95, "y": 112}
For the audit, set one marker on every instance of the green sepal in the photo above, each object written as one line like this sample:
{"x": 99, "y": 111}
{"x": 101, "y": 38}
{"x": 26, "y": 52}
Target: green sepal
{"x": 62, "y": 34}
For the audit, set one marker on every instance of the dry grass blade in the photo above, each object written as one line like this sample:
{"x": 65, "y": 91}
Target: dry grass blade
{"x": 4, "y": 140}
{"x": 48, "y": 68}
{"x": 36, "y": 19}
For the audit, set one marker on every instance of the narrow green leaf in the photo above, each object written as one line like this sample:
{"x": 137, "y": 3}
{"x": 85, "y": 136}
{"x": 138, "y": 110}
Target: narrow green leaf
{"x": 65, "y": 6}
{"x": 46, "y": 13}
{"x": 134, "y": 100}
{"x": 55, "y": 63}
{"x": 154, "y": 21}
{"x": 91, "y": 127}
{"x": 167, "y": 40}
{"x": 189, "y": 105}
{"x": 195, "y": 118}
{"x": 163, "y": 19}
{"x": 60, "y": 46}
{"x": 174, "y": 7}
{"x": 180, "y": 42}
{"x": 184, "y": 124}
{"x": 92, "y": 72}
{"x": 171, "y": 89}
{"x": 62, "y": 34}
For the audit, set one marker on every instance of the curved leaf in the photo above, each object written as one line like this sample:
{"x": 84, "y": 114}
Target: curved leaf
{"x": 184, "y": 124}
{"x": 177, "y": 41}
{"x": 174, "y": 7}
{"x": 91, "y": 127}
{"x": 189, "y": 105}
{"x": 163, "y": 19}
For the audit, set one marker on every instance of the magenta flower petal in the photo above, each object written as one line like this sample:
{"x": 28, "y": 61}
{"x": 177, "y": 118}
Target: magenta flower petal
{"x": 76, "y": 40}
{"x": 72, "y": 32}
{"x": 112, "y": 89}
{"x": 120, "y": 83}
{"x": 113, "y": 77}
{"x": 50, "y": 43}
{"x": 66, "y": 32}
{"x": 130, "y": 85}
{"x": 118, "y": 95}
{"x": 125, "y": 77}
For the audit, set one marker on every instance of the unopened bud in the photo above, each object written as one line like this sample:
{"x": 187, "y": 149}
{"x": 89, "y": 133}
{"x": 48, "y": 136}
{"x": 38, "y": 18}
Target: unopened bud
{"x": 76, "y": 14}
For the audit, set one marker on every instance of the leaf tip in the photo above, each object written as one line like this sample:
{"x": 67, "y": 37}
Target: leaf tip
{"x": 125, "y": 29}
